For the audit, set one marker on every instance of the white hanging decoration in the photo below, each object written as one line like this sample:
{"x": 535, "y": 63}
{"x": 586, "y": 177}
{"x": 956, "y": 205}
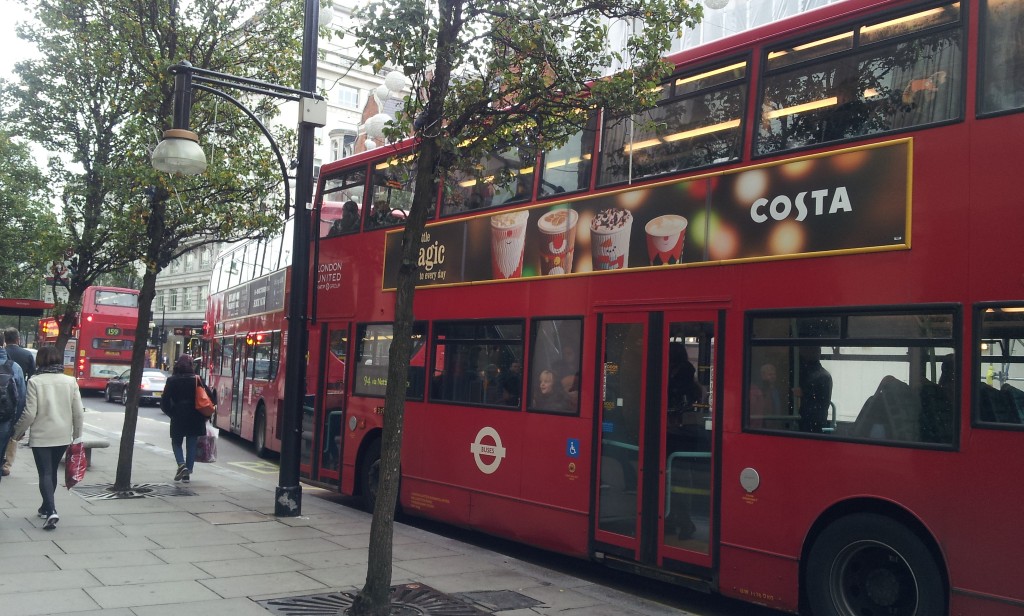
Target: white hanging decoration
{"x": 370, "y": 144}
{"x": 374, "y": 125}
{"x": 716, "y": 4}
{"x": 382, "y": 93}
{"x": 396, "y": 81}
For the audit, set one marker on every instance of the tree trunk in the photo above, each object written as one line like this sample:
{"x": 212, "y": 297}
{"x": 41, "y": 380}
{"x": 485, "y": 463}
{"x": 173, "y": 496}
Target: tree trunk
{"x": 154, "y": 232}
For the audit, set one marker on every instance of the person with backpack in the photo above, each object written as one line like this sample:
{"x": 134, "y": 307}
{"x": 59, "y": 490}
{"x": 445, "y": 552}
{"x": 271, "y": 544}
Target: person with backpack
{"x": 12, "y": 400}
{"x": 21, "y": 356}
{"x": 53, "y": 412}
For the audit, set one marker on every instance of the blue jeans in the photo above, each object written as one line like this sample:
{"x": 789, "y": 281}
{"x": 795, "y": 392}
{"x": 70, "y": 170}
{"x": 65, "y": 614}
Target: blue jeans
{"x": 188, "y": 457}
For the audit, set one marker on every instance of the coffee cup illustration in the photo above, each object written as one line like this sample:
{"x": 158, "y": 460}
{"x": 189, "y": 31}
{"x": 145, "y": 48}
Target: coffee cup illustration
{"x": 508, "y": 235}
{"x": 665, "y": 238}
{"x": 609, "y": 239}
{"x": 557, "y": 230}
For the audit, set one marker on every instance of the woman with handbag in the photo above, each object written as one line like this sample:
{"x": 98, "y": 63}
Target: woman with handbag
{"x": 187, "y": 423}
{"x": 53, "y": 412}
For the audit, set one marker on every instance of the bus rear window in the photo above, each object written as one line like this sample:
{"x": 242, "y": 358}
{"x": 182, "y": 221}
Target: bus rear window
{"x": 870, "y": 376}
{"x": 478, "y": 362}
{"x": 116, "y": 298}
{"x": 1000, "y": 369}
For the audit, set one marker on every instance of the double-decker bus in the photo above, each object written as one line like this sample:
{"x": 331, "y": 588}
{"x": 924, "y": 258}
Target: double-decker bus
{"x": 244, "y": 337}
{"x": 102, "y": 340}
{"x": 769, "y": 345}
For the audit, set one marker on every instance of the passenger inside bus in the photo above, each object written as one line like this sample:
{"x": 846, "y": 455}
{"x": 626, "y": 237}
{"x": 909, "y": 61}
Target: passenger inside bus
{"x": 349, "y": 221}
{"x": 686, "y": 438}
{"x": 814, "y": 390}
{"x": 550, "y": 396}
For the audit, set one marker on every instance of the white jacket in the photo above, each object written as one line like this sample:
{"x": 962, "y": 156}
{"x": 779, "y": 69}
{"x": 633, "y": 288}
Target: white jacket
{"x": 53, "y": 411}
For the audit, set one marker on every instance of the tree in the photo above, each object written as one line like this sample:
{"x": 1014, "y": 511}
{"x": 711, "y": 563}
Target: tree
{"x": 100, "y": 92}
{"x": 29, "y": 226}
{"x": 489, "y": 76}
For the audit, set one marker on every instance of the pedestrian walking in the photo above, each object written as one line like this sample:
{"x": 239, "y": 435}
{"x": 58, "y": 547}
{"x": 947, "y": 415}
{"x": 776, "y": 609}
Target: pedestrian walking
{"x": 12, "y": 340}
{"x": 187, "y": 424}
{"x": 53, "y": 419}
{"x": 12, "y": 404}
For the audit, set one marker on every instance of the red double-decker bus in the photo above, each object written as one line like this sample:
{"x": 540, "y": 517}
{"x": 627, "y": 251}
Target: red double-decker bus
{"x": 770, "y": 348}
{"x": 102, "y": 341}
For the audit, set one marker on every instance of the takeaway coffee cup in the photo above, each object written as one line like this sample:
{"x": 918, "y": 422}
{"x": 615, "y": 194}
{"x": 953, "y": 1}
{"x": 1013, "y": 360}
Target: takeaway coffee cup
{"x": 557, "y": 241}
{"x": 665, "y": 238}
{"x": 609, "y": 239}
{"x": 508, "y": 235}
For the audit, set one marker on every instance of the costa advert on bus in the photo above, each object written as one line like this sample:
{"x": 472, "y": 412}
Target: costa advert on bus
{"x": 852, "y": 200}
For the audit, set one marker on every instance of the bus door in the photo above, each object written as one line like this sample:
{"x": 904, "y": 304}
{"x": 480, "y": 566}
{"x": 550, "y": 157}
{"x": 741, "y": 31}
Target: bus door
{"x": 654, "y": 488}
{"x": 237, "y": 384}
{"x": 322, "y": 427}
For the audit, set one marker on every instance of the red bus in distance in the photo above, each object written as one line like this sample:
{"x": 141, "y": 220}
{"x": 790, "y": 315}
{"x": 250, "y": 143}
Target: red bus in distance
{"x": 103, "y": 337}
{"x": 773, "y": 348}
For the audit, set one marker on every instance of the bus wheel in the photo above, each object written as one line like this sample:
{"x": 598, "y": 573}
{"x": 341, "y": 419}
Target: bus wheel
{"x": 259, "y": 432}
{"x": 870, "y": 564}
{"x": 369, "y": 475}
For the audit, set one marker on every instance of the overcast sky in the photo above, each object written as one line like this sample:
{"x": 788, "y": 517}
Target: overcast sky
{"x": 13, "y": 48}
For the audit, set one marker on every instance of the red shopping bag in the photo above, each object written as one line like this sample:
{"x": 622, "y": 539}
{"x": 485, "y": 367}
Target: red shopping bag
{"x": 74, "y": 464}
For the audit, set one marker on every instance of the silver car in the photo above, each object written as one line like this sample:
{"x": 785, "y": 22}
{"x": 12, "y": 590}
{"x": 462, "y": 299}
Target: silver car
{"x": 151, "y": 389}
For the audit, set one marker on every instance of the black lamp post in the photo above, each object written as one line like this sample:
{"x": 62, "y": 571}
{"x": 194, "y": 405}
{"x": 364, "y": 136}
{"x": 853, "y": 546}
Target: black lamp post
{"x": 179, "y": 152}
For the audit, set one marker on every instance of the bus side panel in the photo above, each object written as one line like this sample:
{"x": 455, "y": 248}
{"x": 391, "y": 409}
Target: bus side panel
{"x": 759, "y": 577}
{"x": 532, "y": 523}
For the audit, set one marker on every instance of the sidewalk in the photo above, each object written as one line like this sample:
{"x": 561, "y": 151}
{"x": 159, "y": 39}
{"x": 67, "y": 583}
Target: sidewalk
{"x": 215, "y": 544}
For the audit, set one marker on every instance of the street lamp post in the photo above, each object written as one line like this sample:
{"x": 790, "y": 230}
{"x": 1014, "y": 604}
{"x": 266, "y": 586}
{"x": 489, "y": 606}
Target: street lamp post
{"x": 179, "y": 152}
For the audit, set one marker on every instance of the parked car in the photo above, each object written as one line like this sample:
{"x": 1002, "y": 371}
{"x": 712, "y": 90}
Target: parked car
{"x": 152, "y": 387}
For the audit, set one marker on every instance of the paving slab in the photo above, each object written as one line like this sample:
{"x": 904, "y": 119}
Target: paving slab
{"x": 160, "y": 593}
{"x": 203, "y": 553}
{"x": 251, "y": 566}
{"x": 48, "y": 602}
{"x": 251, "y": 585}
{"x": 147, "y": 574}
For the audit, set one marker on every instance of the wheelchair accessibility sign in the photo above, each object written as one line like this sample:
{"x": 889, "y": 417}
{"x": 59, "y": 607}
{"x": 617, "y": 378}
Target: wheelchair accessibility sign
{"x": 572, "y": 448}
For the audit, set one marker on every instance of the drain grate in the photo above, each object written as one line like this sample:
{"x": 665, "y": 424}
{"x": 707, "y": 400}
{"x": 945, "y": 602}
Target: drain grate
{"x": 102, "y": 491}
{"x": 406, "y": 600}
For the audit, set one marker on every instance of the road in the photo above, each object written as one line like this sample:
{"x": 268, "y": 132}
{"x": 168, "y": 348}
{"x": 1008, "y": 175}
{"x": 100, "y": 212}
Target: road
{"x": 107, "y": 418}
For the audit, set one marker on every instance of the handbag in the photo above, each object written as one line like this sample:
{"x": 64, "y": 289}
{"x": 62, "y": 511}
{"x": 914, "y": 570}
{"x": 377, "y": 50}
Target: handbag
{"x": 204, "y": 405}
{"x": 75, "y": 464}
{"x": 206, "y": 445}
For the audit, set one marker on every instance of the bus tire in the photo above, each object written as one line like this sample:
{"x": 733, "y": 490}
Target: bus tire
{"x": 369, "y": 475}
{"x": 867, "y": 563}
{"x": 259, "y": 432}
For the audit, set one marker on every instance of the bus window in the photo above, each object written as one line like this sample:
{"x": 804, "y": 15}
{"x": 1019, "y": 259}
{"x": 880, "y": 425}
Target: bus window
{"x": 897, "y": 74}
{"x": 261, "y": 359}
{"x": 476, "y": 363}
{"x": 227, "y": 356}
{"x": 555, "y": 366}
{"x": 1001, "y": 86}
{"x": 393, "y": 183}
{"x": 567, "y": 169}
{"x": 1001, "y": 366}
{"x": 372, "y": 360}
{"x": 339, "y": 191}
{"x": 878, "y": 377}
{"x": 698, "y": 123}
{"x": 500, "y": 179}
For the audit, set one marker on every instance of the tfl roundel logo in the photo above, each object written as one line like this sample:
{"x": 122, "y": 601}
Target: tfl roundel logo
{"x": 487, "y": 450}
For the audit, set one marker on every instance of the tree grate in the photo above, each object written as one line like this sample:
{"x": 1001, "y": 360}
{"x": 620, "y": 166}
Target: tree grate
{"x": 102, "y": 491}
{"x": 406, "y": 600}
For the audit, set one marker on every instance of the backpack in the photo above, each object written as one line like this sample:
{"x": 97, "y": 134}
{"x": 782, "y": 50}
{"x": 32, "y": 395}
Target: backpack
{"x": 8, "y": 392}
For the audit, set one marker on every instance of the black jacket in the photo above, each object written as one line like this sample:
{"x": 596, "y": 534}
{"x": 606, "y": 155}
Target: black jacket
{"x": 179, "y": 403}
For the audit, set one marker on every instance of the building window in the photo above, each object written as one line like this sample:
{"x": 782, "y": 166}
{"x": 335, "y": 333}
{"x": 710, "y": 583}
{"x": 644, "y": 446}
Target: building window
{"x": 173, "y": 293}
{"x": 347, "y": 96}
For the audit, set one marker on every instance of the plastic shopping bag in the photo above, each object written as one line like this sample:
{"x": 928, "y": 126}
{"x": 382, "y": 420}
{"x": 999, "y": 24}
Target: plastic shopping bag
{"x": 74, "y": 464}
{"x": 206, "y": 446}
